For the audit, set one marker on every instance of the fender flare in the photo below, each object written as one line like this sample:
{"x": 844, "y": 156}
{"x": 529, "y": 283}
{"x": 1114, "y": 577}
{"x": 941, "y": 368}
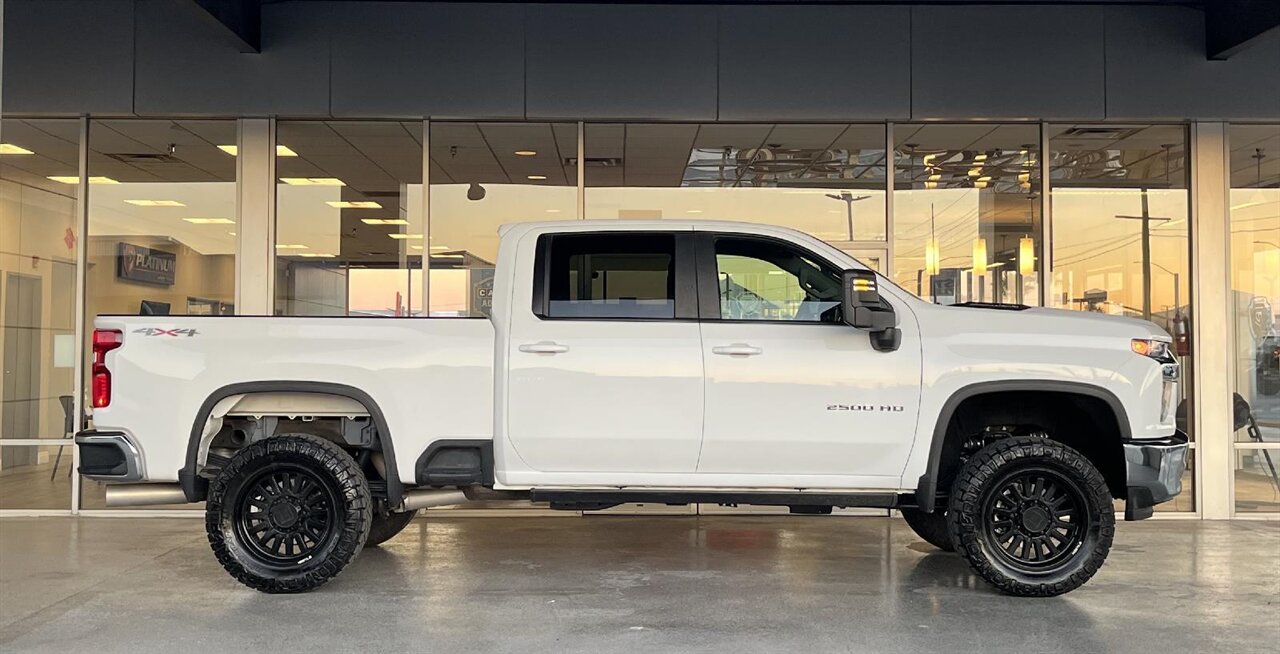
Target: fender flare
{"x": 196, "y": 487}
{"x": 927, "y": 486}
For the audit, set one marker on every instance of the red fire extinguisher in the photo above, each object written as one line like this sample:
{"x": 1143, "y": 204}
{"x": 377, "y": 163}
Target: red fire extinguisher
{"x": 1181, "y": 334}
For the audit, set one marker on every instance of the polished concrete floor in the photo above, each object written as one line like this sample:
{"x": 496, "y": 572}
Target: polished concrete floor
{"x": 623, "y": 584}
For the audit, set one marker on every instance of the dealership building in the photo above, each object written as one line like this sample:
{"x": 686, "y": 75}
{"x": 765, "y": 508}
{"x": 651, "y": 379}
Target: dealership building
{"x": 324, "y": 158}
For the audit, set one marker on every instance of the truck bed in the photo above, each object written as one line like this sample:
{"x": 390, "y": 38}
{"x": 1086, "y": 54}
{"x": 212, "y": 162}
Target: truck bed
{"x": 430, "y": 378}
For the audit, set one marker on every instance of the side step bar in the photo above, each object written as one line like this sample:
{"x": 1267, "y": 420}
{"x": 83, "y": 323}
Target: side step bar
{"x": 578, "y": 500}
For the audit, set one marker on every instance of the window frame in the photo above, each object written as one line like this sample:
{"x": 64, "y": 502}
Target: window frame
{"x": 683, "y": 268}
{"x": 709, "y": 276}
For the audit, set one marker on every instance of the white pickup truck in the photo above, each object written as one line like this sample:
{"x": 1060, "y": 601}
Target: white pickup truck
{"x": 655, "y": 361}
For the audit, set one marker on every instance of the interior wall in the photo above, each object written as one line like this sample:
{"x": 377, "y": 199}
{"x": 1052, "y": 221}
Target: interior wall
{"x": 203, "y": 276}
{"x": 1120, "y": 61}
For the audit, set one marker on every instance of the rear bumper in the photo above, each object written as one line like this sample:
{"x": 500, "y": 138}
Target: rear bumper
{"x": 1154, "y": 470}
{"x": 108, "y": 456}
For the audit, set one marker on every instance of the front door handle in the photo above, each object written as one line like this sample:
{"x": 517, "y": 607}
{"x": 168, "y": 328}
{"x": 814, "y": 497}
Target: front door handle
{"x": 737, "y": 349}
{"x": 544, "y": 347}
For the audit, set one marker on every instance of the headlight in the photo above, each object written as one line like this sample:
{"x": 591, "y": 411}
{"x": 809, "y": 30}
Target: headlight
{"x": 1158, "y": 350}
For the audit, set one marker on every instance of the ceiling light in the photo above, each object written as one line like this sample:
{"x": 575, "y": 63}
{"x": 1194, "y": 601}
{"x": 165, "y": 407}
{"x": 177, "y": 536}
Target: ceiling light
{"x": 9, "y": 148}
{"x": 537, "y": 178}
{"x": 231, "y": 233}
{"x": 439, "y": 247}
{"x": 155, "y": 203}
{"x": 401, "y": 237}
{"x": 360, "y": 204}
{"x": 415, "y": 247}
{"x": 526, "y": 153}
{"x": 384, "y": 221}
{"x": 287, "y": 246}
{"x": 74, "y": 179}
{"x": 281, "y": 150}
{"x": 553, "y": 211}
{"x": 694, "y": 211}
{"x": 313, "y": 181}
{"x": 315, "y": 255}
{"x": 980, "y": 157}
{"x": 210, "y": 221}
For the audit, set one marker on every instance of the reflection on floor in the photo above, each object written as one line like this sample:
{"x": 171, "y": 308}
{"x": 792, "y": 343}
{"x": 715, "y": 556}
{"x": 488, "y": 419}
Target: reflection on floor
{"x": 623, "y": 584}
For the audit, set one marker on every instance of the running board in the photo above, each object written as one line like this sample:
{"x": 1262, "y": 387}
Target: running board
{"x": 593, "y": 499}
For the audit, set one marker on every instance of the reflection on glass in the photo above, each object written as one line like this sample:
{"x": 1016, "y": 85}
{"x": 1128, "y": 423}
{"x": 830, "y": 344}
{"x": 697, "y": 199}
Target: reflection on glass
{"x": 162, "y": 221}
{"x": 826, "y": 180}
{"x": 349, "y": 228}
{"x": 485, "y": 175}
{"x": 966, "y": 209}
{"x": 1120, "y": 205}
{"x": 1255, "y": 281}
{"x": 1257, "y": 481}
{"x": 38, "y": 237}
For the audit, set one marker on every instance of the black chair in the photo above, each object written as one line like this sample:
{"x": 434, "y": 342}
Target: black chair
{"x": 1243, "y": 418}
{"x": 68, "y": 429}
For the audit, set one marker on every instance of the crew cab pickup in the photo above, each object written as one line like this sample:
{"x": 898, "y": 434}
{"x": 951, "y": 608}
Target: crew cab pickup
{"x": 649, "y": 361}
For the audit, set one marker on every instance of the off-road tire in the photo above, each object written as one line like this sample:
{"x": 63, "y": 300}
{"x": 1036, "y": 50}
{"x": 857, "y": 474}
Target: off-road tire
{"x": 259, "y": 475}
{"x": 930, "y": 527}
{"x": 386, "y": 525}
{"x": 978, "y": 494}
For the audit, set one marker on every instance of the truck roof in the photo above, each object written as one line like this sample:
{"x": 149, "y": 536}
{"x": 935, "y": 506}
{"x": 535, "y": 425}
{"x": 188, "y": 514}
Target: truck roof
{"x": 638, "y": 225}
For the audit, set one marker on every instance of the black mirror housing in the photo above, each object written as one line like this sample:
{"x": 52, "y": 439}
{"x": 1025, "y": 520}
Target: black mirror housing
{"x": 864, "y": 309}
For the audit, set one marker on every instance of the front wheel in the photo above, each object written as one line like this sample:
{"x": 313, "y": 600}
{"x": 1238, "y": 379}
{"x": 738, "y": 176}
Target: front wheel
{"x": 288, "y": 513}
{"x": 1032, "y": 516}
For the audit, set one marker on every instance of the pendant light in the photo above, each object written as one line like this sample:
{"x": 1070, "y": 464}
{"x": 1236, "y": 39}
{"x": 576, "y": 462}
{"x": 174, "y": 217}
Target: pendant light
{"x": 979, "y": 256}
{"x": 1026, "y": 257}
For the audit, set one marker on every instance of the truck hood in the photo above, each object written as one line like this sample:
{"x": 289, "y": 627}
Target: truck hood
{"x": 1040, "y": 320}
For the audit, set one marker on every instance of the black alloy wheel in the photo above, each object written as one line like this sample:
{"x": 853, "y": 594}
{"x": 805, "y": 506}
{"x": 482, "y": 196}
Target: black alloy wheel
{"x": 1033, "y": 519}
{"x": 286, "y": 515}
{"x": 1032, "y": 516}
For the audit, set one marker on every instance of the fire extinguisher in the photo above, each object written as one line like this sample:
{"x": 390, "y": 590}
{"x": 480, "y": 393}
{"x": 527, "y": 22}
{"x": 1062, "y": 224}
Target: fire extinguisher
{"x": 1181, "y": 334}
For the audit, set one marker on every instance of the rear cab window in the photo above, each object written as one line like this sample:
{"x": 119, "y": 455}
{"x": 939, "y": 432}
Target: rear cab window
{"x": 613, "y": 276}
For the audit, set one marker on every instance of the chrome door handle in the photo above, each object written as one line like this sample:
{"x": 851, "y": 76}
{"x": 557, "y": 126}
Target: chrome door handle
{"x": 544, "y": 347}
{"x": 737, "y": 349}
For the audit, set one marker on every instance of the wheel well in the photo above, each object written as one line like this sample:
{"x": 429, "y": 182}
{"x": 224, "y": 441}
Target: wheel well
{"x": 1088, "y": 424}
{"x": 342, "y": 414}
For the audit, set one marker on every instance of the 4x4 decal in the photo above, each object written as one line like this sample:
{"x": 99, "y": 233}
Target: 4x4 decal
{"x": 156, "y": 331}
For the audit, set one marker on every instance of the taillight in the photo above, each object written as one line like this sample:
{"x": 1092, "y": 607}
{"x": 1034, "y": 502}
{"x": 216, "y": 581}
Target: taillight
{"x": 104, "y": 340}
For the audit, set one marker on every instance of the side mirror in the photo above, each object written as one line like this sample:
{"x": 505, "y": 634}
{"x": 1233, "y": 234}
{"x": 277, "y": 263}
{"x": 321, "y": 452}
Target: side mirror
{"x": 864, "y": 309}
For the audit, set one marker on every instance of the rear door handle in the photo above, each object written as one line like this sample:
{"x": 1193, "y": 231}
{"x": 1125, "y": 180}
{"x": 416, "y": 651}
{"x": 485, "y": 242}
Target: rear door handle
{"x": 737, "y": 349}
{"x": 544, "y": 347}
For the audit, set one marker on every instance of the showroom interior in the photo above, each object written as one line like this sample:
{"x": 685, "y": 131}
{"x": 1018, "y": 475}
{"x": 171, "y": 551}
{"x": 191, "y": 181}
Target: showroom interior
{"x": 353, "y": 167}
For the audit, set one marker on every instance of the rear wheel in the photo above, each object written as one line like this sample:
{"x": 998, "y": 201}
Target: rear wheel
{"x": 931, "y": 527}
{"x": 386, "y": 525}
{"x": 288, "y": 513}
{"x": 1032, "y": 516}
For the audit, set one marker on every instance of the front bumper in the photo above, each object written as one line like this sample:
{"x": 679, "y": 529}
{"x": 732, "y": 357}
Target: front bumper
{"x": 1154, "y": 470}
{"x": 108, "y": 456}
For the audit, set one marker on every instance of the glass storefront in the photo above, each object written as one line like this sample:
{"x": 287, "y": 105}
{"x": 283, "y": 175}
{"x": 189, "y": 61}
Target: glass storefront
{"x": 485, "y": 175}
{"x": 966, "y": 212}
{"x": 1085, "y": 217}
{"x": 1254, "y": 301}
{"x": 349, "y": 219}
{"x": 39, "y": 234}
